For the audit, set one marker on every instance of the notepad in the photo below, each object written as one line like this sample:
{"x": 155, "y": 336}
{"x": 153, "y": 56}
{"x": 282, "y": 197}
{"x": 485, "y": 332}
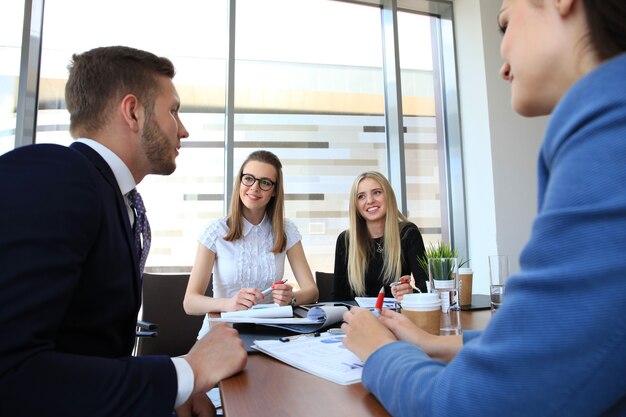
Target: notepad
{"x": 323, "y": 356}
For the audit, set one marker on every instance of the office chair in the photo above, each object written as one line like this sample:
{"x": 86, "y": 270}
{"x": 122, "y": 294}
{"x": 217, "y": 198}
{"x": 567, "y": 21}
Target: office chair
{"x": 325, "y": 282}
{"x": 163, "y": 305}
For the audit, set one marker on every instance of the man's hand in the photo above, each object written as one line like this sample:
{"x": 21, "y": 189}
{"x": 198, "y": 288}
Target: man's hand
{"x": 218, "y": 355}
{"x": 198, "y": 405}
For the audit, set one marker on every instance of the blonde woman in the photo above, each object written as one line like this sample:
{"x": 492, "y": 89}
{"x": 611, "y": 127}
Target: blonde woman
{"x": 380, "y": 247}
{"x": 245, "y": 251}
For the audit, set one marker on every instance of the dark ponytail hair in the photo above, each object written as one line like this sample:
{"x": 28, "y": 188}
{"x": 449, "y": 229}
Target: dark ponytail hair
{"x": 607, "y": 26}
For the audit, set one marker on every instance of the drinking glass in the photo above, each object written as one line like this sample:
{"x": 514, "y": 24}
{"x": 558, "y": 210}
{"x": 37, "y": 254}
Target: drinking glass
{"x": 444, "y": 280}
{"x": 498, "y": 274}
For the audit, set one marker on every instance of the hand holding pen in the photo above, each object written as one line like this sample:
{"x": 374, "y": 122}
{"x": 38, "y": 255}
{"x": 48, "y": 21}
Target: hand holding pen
{"x": 268, "y": 290}
{"x": 401, "y": 287}
{"x": 282, "y": 293}
{"x": 378, "y": 308}
{"x": 248, "y": 297}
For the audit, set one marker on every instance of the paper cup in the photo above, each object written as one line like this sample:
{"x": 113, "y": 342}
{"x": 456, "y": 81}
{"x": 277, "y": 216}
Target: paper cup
{"x": 423, "y": 309}
{"x": 466, "y": 277}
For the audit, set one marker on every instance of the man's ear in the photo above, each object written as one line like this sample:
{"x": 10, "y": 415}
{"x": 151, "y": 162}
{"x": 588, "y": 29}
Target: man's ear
{"x": 565, "y": 6}
{"x": 131, "y": 111}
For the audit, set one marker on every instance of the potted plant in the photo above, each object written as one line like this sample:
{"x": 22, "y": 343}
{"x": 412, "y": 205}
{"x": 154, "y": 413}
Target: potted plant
{"x": 440, "y": 264}
{"x": 439, "y": 251}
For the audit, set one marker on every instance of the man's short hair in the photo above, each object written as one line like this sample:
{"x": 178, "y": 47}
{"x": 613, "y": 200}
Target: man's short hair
{"x": 98, "y": 78}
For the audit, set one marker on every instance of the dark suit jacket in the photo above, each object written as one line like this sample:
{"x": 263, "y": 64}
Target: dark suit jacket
{"x": 70, "y": 292}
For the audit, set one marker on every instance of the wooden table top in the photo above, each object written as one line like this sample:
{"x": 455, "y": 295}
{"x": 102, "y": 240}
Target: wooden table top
{"x": 270, "y": 387}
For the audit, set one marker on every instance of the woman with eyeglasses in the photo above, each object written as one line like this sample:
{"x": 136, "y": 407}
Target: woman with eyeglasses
{"x": 381, "y": 246}
{"x": 245, "y": 251}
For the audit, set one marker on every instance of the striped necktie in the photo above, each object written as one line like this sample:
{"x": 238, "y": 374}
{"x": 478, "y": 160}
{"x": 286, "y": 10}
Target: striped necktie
{"x": 141, "y": 228}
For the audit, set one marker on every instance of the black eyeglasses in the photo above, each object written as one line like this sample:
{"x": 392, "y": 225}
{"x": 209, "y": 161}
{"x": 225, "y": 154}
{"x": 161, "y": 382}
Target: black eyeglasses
{"x": 265, "y": 184}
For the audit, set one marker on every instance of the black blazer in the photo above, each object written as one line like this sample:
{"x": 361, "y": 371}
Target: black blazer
{"x": 70, "y": 292}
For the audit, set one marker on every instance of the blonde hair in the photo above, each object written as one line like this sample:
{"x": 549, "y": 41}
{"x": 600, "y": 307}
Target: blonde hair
{"x": 274, "y": 210}
{"x": 361, "y": 249}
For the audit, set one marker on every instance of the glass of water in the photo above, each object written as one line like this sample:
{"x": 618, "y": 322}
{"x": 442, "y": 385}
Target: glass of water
{"x": 444, "y": 280}
{"x": 498, "y": 274}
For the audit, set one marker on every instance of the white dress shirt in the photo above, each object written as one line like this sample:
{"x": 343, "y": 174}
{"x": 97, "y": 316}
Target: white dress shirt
{"x": 247, "y": 262}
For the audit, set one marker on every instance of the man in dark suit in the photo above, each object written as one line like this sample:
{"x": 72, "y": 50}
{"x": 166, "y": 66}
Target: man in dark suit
{"x": 70, "y": 269}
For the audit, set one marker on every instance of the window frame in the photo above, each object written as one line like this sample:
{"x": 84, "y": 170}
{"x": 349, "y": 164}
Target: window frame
{"x": 454, "y": 224}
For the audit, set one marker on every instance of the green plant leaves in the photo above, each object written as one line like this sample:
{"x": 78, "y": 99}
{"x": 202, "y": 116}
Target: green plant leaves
{"x": 441, "y": 250}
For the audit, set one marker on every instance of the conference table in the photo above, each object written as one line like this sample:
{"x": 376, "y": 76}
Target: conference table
{"x": 269, "y": 387}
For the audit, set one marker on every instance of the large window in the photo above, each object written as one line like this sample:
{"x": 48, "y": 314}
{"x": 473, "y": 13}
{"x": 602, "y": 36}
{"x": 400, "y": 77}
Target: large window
{"x": 194, "y": 36}
{"x": 420, "y": 119}
{"x": 11, "y": 21}
{"x": 309, "y": 84}
{"x": 310, "y": 89}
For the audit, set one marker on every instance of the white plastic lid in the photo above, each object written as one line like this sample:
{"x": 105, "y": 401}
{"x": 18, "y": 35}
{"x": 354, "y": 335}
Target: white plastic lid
{"x": 465, "y": 271}
{"x": 421, "y": 301}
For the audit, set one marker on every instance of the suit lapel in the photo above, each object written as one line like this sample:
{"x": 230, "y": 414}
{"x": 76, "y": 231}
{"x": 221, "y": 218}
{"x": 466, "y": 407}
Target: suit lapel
{"x": 104, "y": 168}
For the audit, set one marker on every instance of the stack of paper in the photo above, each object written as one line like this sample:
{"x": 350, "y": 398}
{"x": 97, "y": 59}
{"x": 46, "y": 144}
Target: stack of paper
{"x": 282, "y": 317}
{"x": 324, "y": 356}
{"x": 261, "y": 311}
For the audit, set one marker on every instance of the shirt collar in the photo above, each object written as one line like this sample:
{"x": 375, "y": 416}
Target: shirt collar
{"x": 264, "y": 225}
{"x": 122, "y": 174}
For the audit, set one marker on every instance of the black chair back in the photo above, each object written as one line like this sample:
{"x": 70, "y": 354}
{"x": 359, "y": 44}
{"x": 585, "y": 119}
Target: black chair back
{"x": 325, "y": 282}
{"x": 163, "y": 305}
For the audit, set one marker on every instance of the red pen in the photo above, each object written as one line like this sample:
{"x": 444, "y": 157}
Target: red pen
{"x": 378, "y": 308}
{"x": 404, "y": 281}
{"x": 269, "y": 289}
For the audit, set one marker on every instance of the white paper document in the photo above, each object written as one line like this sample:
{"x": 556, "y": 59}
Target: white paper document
{"x": 316, "y": 319}
{"x": 261, "y": 311}
{"x": 324, "y": 356}
{"x": 370, "y": 302}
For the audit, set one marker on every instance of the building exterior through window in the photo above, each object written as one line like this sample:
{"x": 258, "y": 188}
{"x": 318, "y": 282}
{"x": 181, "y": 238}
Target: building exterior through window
{"x": 311, "y": 80}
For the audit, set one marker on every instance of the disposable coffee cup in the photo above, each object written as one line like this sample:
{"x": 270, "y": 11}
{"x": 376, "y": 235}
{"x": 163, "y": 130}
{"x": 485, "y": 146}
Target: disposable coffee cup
{"x": 423, "y": 309}
{"x": 466, "y": 276}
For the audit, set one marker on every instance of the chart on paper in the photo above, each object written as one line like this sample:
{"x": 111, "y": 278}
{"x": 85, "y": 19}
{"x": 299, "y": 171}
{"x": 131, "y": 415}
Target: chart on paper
{"x": 324, "y": 356}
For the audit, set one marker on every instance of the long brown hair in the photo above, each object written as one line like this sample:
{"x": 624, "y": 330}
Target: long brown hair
{"x": 275, "y": 208}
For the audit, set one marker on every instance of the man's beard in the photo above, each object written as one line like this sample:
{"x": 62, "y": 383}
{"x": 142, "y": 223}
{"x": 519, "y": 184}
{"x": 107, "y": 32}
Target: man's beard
{"x": 157, "y": 147}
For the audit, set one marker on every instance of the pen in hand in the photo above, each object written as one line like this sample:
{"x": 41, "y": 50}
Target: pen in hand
{"x": 269, "y": 290}
{"x": 378, "y": 308}
{"x": 405, "y": 281}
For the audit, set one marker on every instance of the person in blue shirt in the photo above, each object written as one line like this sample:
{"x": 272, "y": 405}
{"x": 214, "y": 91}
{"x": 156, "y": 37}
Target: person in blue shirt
{"x": 556, "y": 346}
